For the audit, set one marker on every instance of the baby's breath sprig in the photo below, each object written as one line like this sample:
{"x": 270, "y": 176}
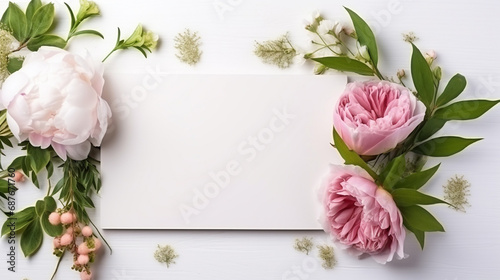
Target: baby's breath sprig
{"x": 6, "y": 41}
{"x": 279, "y": 52}
{"x": 188, "y": 45}
{"x": 326, "y": 253}
{"x": 456, "y": 192}
{"x": 303, "y": 245}
{"x": 165, "y": 254}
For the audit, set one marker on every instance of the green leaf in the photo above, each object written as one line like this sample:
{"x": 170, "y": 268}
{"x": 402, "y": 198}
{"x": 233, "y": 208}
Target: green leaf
{"x": 21, "y": 218}
{"x": 417, "y": 180}
{"x": 4, "y": 186}
{"x": 409, "y": 197}
{"x": 444, "y": 146}
{"x": 50, "y": 169}
{"x": 454, "y": 88}
{"x": 393, "y": 172}
{"x": 71, "y": 15}
{"x": 40, "y": 207}
{"x": 58, "y": 186}
{"x": 430, "y": 127}
{"x": 351, "y": 157}
{"x": 423, "y": 80}
{"x": 465, "y": 110}
{"x": 89, "y": 32}
{"x": 365, "y": 35}
{"x": 50, "y": 204}
{"x": 419, "y": 218}
{"x": 5, "y": 17}
{"x": 16, "y": 21}
{"x": 142, "y": 51}
{"x": 42, "y": 20}
{"x": 33, "y": 6}
{"x": 39, "y": 158}
{"x": 342, "y": 63}
{"x": 49, "y": 228}
{"x": 14, "y": 64}
{"x": 46, "y": 40}
{"x": 420, "y": 235}
{"x": 32, "y": 238}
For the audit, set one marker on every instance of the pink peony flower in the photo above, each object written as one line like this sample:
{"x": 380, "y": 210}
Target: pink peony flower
{"x": 55, "y": 100}
{"x": 374, "y": 117}
{"x": 360, "y": 215}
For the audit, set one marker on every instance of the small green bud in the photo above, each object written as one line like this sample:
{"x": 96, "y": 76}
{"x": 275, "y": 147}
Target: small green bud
{"x": 87, "y": 9}
{"x": 437, "y": 73}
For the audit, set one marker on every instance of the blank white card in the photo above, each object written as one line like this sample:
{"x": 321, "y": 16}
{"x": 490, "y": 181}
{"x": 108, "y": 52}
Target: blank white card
{"x": 217, "y": 151}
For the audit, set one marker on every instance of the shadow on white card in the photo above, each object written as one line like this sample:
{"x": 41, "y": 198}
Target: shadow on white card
{"x": 219, "y": 152}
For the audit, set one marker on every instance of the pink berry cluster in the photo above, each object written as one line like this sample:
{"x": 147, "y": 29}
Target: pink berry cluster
{"x": 77, "y": 239}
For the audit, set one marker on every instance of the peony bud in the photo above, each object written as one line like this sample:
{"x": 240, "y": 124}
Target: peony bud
{"x": 18, "y": 176}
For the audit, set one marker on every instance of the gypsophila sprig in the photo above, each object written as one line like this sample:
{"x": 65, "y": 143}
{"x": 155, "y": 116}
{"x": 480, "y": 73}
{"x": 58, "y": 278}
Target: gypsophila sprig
{"x": 188, "y": 46}
{"x": 6, "y": 47}
{"x": 165, "y": 254}
{"x": 141, "y": 40}
{"x": 326, "y": 253}
{"x": 409, "y": 37}
{"x": 303, "y": 245}
{"x": 279, "y": 52}
{"x": 456, "y": 192}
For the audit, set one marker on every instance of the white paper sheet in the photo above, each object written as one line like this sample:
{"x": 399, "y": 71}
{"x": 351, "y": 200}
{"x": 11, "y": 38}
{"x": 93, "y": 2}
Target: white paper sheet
{"x": 217, "y": 151}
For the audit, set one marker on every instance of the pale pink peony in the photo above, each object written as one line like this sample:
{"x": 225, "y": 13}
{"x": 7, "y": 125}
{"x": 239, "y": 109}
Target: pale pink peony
{"x": 54, "y": 218}
{"x": 55, "y": 100}
{"x": 360, "y": 215}
{"x": 85, "y": 276}
{"x": 374, "y": 117}
{"x": 86, "y": 231}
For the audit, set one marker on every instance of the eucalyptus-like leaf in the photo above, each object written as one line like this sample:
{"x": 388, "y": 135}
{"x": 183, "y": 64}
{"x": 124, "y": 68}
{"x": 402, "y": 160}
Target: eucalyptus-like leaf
{"x": 419, "y": 218}
{"x": 444, "y": 146}
{"x": 50, "y": 229}
{"x": 454, "y": 88}
{"x": 409, "y": 197}
{"x": 416, "y": 180}
{"x": 351, "y": 157}
{"x": 430, "y": 127}
{"x": 465, "y": 110}
{"x": 4, "y": 186}
{"x": 40, "y": 207}
{"x": 32, "y": 238}
{"x": 71, "y": 15}
{"x": 21, "y": 219}
{"x": 420, "y": 235}
{"x": 16, "y": 21}
{"x": 365, "y": 35}
{"x": 42, "y": 20}
{"x": 345, "y": 64}
{"x": 14, "y": 64}
{"x": 423, "y": 80}
{"x": 58, "y": 186}
{"x": 46, "y": 40}
{"x": 393, "y": 172}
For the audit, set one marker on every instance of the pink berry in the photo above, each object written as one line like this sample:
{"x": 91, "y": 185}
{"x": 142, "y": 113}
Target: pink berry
{"x": 54, "y": 218}
{"x": 85, "y": 276}
{"x": 66, "y": 239}
{"x": 18, "y": 176}
{"x": 67, "y": 218}
{"x": 83, "y": 259}
{"x": 70, "y": 230}
{"x": 87, "y": 231}
{"x": 83, "y": 249}
{"x": 57, "y": 242}
{"x": 97, "y": 244}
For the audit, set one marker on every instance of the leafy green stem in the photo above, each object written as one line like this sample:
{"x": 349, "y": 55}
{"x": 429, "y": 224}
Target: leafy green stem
{"x": 57, "y": 265}
{"x": 102, "y": 237}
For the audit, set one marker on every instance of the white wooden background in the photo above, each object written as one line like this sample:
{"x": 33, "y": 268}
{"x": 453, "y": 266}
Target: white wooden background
{"x": 465, "y": 37}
